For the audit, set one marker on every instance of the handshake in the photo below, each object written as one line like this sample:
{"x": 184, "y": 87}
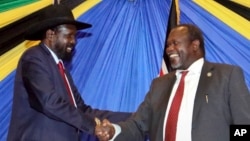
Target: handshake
{"x": 104, "y": 130}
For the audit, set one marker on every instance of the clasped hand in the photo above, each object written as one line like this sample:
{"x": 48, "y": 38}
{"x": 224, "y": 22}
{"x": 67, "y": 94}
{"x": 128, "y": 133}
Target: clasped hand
{"x": 104, "y": 130}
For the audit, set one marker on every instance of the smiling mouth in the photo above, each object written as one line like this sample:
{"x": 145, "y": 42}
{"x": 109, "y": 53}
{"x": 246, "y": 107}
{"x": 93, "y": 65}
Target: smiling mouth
{"x": 174, "y": 55}
{"x": 69, "y": 49}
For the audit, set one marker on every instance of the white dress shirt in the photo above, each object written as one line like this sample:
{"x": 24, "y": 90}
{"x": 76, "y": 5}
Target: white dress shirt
{"x": 184, "y": 122}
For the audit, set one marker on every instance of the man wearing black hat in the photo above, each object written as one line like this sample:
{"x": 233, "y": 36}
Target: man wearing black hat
{"x": 46, "y": 104}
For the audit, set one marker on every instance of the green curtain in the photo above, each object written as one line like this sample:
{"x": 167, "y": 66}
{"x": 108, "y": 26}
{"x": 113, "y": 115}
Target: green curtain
{"x": 6, "y": 5}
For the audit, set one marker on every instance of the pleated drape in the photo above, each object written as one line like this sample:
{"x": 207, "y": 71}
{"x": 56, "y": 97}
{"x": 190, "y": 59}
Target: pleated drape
{"x": 116, "y": 60}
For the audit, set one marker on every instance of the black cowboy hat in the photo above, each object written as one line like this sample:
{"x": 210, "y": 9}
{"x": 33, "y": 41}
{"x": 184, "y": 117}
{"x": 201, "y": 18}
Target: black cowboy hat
{"x": 50, "y": 17}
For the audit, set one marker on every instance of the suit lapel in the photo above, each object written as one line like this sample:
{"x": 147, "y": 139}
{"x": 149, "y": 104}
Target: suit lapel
{"x": 167, "y": 92}
{"x": 202, "y": 90}
{"x": 163, "y": 104}
{"x": 55, "y": 71}
{"x": 45, "y": 49}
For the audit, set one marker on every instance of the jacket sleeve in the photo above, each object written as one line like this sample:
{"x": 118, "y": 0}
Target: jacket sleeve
{"x": 239, "y": 97}
{"x": 47, "y": 95}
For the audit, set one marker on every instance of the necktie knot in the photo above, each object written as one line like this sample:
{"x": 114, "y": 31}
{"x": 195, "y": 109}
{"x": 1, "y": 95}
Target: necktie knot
{"x": 183, "y": 74}
{"x": 60, "y": 65}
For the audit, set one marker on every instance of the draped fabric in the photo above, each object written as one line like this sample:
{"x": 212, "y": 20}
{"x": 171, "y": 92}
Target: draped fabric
{"x": 6, "y": 90}
{"x": 116, "y": 60}
{"x": 6, "y": 5}
{"x": 222, "y": 43}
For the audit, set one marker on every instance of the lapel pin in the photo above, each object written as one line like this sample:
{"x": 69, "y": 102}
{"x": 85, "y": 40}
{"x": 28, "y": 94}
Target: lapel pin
{"x": 206, "y": 95}
{"x": 209, "y": 74}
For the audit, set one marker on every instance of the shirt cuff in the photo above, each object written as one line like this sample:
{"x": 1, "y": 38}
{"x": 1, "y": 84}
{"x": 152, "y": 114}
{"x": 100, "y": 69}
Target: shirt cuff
{"x": 117, "y": 131}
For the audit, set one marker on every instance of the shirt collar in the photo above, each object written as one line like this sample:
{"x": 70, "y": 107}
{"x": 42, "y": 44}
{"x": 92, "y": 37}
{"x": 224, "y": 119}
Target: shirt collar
{"x": 195, "y": 67}
{"x": 53, "y": 54}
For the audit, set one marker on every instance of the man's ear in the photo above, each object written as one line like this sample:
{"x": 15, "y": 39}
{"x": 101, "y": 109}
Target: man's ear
{"x": 49, "y": 34}
{"x": 196, "y": 45}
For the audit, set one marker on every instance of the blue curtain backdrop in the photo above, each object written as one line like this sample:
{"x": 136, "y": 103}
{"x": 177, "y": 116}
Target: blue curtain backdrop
{"x": 117, "y": 58}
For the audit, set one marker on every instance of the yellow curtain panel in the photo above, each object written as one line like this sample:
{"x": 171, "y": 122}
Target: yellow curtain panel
{"x": 13, "y": 15}
{"x": 227, "y": 16}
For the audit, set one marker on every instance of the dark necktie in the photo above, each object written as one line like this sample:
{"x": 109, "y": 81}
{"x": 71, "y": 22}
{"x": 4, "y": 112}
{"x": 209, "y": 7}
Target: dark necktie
{"x": 171, "y": 126}
{"x": 62, "y": 72}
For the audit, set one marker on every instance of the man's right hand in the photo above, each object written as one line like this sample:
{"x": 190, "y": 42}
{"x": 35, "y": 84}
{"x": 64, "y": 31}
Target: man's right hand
{"x": 104, "y": 130}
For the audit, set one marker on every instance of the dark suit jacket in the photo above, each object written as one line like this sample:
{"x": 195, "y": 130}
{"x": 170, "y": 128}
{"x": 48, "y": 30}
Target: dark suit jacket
{"x": 41, "y": 109}
{"x": 228, "y": 103}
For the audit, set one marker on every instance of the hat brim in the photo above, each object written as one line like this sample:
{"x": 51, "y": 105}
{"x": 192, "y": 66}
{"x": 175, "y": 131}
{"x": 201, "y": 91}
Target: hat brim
{"x": 35, "y": 31}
